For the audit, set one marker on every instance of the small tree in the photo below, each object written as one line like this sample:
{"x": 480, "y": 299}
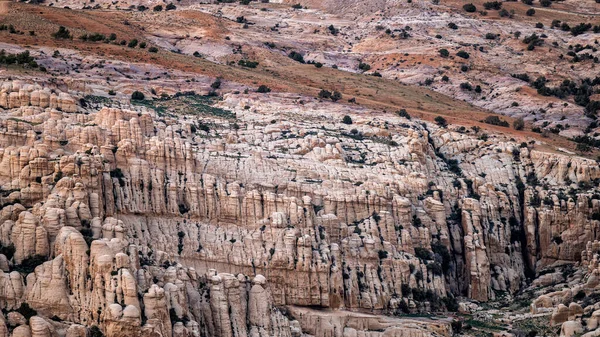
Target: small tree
{"x": 153, "y": 50}
{"x": 441, "y": 121}
{"x": 137, "y": 96}
{"x": 171, "y": 7}
{"x": 444, "y": 52}
{"x": 347, "y": 120}
{"x": 546, "y": 3}
{"x": 158, "y": 8}
{"x": 530, "y": 12}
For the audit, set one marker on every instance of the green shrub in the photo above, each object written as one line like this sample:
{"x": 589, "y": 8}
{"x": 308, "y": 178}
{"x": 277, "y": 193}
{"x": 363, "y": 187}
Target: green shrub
{"x": 441, "y": 121}
{"x": 26, "y": 311}
{"x": 363, "y": 66}
{"x": 496, "y": 5}
{"x": 463, "y": 54}
{"x": 403, "y": 113}
{"x": 137, "y": 96}
{"x": 263, "y": 89}
{"x": 470, "y": 8}
{"x": 423, "y": 253}
{"x": 29, "y": 264}
{"x": 96, "y": 332}
{"x": 8, "y": 251}
{"x": 296, "y": 57}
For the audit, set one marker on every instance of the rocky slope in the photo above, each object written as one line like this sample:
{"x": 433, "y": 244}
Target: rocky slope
{"x": 187, "y": 224}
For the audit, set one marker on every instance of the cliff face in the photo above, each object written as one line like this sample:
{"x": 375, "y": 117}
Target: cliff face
{"x": 213, "y": 224}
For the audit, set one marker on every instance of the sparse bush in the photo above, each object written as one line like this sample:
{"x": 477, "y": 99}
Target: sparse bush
{"x": 519, "y": 124}
{"x": 170, "y": 7}
{"x": 153, "y": 50}
{"x": 158, "y": 8}
{"x": 347, "y": 120}
{"x": 444, "y": 52}
{"x": 62, "y": 33}
{"x": 530, "y": 12}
